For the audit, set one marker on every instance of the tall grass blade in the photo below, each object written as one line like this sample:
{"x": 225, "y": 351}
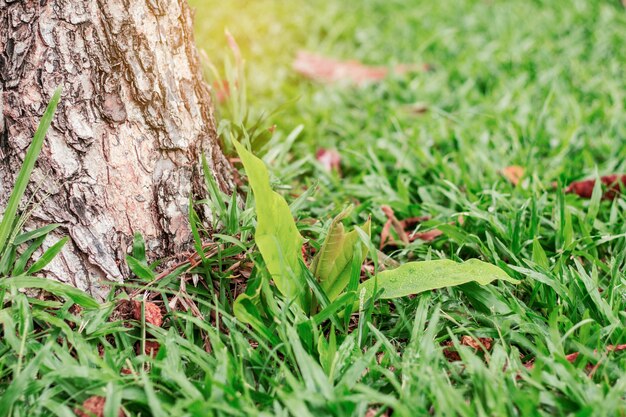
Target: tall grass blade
{"x": 27, "y": 168}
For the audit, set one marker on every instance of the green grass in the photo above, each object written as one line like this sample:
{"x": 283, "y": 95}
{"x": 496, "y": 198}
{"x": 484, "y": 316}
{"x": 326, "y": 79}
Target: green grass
{"x": 534, "y": 83}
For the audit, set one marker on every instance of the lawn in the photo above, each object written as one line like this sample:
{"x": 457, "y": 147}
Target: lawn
{"x": 535, "y": 84}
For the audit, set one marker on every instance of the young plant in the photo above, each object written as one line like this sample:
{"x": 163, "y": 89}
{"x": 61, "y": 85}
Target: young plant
{"x": 280, "y": 245}
{"x": 332, "y": 266}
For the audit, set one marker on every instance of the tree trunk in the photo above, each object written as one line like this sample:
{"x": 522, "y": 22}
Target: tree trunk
{"x": 123, "y": 152}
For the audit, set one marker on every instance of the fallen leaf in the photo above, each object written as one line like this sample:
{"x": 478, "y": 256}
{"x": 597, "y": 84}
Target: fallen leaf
{"x": 376, "y": 412}
{"x": 94, "y": 407}
{"x": 482, "y": 343}
{"x": 426, "y": 236}
{"x": 392, "y": 221}
{"x": 613, "y": 186}
{"x": 401, "y": 227}
{"x": 330, "y": 160}
{"x": 449, "y": 352}
{"x": 329, "y": 70}
{"x": 571, "y": 357}
{"x": 152, "y": 311}
{"x": 513, "y": 173}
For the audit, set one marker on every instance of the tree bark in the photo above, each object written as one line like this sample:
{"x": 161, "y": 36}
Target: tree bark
{"x": 123, "y": 152}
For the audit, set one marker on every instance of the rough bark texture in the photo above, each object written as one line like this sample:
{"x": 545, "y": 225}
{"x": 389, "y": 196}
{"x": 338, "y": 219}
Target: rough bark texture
{"x": 123, "y": 151}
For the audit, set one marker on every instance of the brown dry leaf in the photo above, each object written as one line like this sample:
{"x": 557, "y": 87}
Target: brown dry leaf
{"x": 426, "y": 236}
{"x": 329, "y": 70}
{"x": 613, "y": 186}
{"x": 482, "y": 343}
{"x": 392, "y": 221}
{"x": 449, "y": 352}
{"x": 330, "y": 160}
{"x": 152, "y": 311}
{"x": 94, "y": 407}
{"x": 401, "y": 227}
{"x": 573, "y": 356}
{"x": 373, "y": 412}
{"x": 513, "y": 173}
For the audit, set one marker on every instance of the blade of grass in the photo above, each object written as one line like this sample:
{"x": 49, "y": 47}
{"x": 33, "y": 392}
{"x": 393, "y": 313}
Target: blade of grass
{"x": 27, "y": 168}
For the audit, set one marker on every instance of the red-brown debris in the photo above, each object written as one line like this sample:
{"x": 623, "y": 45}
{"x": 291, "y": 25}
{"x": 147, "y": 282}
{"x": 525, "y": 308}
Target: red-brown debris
{"x": 482, "y": 343}
{"x": 94, "y": 407}
{"x": 571, "y": 357}
{"x": 613, "y": 186}
{"x": 513, "y": 173}
{"x": 152, "y": 311}
{"x": 401, "y": 227}
{"x": 329, "y": 70}
{"x": 151, "y": 348}
{"x": 330, "y": 160}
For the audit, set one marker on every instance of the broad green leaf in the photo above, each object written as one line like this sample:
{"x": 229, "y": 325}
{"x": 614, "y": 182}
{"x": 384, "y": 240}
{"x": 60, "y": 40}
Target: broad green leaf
{"x": 417, "y": 277}
{"x": 332, "y": 265}
{"x": 57, "y": 288}
{"x": 27, "y": 168}
{"x": 276, "y": 234}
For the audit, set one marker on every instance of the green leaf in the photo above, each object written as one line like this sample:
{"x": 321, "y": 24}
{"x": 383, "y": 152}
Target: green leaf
{"x": 332, "y": 265}
{"x": 248, "y": 309}
{"x": 27, "y": 168}
{"x": 21, "y": 262}
{"x": 57, "y": 288}
{"x": 140, "y": 269}
{"x": 34, "y": 234}
{"x": 139, "y": 248}
{"x": 18, "y": 388}
{"x": 539, "y": 255}
{"x": 48, "y": 256}
{"x": 276, "y": 234}
{"x": 417, "y": 277}
{"x": 327, "y": 350}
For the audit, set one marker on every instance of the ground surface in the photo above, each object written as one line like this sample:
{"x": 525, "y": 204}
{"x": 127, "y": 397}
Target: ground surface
{"x": 530, "y": 83}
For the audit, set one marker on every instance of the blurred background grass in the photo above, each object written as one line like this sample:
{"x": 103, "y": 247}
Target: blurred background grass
{"x": 534, "y": 83}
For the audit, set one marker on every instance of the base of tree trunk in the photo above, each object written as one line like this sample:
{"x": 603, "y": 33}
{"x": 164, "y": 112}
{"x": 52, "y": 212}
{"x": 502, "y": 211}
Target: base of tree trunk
{"x": 123, "y": 152}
